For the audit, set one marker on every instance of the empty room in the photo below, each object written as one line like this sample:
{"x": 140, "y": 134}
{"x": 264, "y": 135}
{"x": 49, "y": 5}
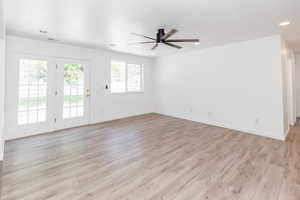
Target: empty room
{"x": 149, "y": 100}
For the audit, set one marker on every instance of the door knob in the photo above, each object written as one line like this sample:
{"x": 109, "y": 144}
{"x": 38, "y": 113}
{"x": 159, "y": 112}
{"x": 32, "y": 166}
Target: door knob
{"x": 88, "y": 93}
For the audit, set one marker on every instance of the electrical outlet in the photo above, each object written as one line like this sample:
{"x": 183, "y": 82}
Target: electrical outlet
{"x": 257, "y": 121}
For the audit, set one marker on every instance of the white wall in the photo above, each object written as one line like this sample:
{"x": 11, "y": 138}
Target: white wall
{"x": 104, "y": 106}
{"x": 2, "y": 94}
{"x": 237, "y": 86}
{"x": 298, "y": 84}
{"x": 2, "y": 77}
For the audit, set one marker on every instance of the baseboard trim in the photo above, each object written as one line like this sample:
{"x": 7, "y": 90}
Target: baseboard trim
{"x": 89, "y": 124}
{"x": 222, "y": 125}
{"x": 1, "y": 149}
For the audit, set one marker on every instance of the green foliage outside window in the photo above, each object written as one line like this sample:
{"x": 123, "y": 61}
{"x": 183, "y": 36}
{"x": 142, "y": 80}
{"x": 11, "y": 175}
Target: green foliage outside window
{"x": 73, "y": 73}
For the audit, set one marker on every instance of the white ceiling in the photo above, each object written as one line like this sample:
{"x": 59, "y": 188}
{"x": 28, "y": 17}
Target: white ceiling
{"x": 99, "y": 23}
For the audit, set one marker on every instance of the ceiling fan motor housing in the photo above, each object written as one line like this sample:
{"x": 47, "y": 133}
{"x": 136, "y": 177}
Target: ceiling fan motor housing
{"x": 159, "y": 35}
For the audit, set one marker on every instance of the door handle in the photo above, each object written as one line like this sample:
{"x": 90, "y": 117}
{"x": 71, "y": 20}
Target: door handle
{"x": 88, "y": 94}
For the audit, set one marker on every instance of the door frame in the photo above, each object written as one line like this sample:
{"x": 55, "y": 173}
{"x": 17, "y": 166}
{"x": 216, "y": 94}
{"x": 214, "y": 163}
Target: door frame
{"x": 12, "y": 129}
{"x": 61, "y": 123}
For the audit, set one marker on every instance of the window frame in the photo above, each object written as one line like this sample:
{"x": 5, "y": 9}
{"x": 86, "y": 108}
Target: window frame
{"x": 126, "y": 78}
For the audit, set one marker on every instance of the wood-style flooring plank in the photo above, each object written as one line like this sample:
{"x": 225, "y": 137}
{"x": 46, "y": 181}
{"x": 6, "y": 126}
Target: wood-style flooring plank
{"x": 151, "y": 157}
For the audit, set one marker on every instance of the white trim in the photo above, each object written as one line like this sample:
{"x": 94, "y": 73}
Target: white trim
{"x": 1, "y": 149}
{"x": 91, "y": 123}
{"x": 223, "y": 125}
{"x": 287, "y": 132}
{"x": 243, "y": 130}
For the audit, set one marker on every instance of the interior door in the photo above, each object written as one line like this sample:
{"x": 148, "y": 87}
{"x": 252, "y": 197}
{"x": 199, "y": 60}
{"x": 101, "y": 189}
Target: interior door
{"x": 72, "y": 95}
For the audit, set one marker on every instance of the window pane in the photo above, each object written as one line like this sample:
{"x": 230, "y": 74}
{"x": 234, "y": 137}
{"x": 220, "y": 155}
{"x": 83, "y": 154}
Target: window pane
{"x": 66, "y": 113}
{"x": 118, "y": 76}
{"x": 41, "y": 103}
{"x": 73, "y": 90}
{"x": 134, "y": 77}
{"x": 32, "y": 91}
{"x": 42, "y": 115}
{"x": 80, "y": 110}
{"x": 73, "y": 111}
{"x": 32, "y": 117}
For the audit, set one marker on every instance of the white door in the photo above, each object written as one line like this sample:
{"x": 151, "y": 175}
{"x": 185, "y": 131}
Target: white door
{"x": 29, "y": 95}
{"x": 45, "y": 94}
{"x": 72, "y": 94}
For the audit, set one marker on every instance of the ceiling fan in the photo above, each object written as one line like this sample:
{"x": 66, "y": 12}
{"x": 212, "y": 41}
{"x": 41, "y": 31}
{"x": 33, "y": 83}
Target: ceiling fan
{"x": 163, "y": 38}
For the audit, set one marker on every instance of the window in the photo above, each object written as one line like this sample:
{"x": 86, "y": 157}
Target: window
{"x": 118, "y": 77}
{"x": 32, "y": 91}
{"x": 134, "y": 77}
{"x": 126, "y": 77}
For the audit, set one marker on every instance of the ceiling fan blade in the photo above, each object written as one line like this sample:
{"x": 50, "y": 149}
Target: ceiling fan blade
{"x": 173, "y": 45}
{"x": 133, "y": 43}
{"x": 169, "y": 34}
{"x": 154, "y": 47}
{"x": 184, "y": 40}
{"x": 143, "y": 36}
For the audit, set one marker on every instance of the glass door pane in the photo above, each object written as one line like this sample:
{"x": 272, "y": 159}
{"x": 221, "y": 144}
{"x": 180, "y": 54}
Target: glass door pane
{"x": 45, "y": 94}
{"x": 73, "y": 105}
{"x": 32, "y": 96}
{"x": 30, "y": 99}
{"x": 72, "y": 94}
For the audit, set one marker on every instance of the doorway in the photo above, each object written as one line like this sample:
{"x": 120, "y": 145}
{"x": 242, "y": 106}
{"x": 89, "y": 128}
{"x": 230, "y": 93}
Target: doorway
{"x": 46, "y": 94}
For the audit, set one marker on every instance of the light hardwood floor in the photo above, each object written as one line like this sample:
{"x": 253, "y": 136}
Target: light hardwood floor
{"x": 152, "y": 157}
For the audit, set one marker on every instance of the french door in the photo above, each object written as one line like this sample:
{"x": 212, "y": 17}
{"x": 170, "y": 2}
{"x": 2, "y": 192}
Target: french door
{"x": 45, "y": 94}
{"x": 72, "y": 94}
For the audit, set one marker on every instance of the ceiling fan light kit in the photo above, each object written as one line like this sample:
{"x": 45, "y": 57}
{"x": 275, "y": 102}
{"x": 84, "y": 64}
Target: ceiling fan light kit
{"x": 163, "y": 38}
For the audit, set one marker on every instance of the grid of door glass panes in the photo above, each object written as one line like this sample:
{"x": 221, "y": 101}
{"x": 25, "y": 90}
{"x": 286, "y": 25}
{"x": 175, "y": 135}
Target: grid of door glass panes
{"x": 32, "y": 91}
{"x": 73, "y": 105}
